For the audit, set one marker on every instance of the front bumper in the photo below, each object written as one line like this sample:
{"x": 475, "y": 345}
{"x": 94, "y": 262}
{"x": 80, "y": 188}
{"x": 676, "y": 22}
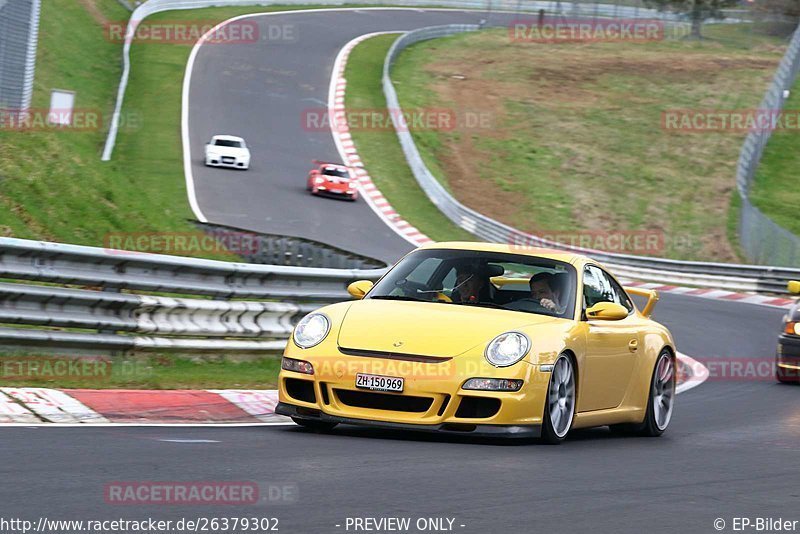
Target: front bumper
{"x": 789, "y": 349}
{"x": 506, "y": 431}
{"x": 235, "y": 164}
{"x": 432, "y": 398}
{"x": 335, "y": 193}
{"x": 788, "y": 357}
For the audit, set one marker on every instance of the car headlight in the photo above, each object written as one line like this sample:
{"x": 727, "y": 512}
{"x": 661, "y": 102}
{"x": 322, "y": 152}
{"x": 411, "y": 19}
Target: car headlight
{"x": 311, "y": 330}
{"x": 507, "y": 349}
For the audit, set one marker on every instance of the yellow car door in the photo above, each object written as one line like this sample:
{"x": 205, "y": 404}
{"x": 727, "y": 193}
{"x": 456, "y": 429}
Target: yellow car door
{"x": 612, "y": 342}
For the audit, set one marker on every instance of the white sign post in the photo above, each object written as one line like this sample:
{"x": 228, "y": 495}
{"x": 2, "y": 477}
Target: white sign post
{"x": 61, "y": 106}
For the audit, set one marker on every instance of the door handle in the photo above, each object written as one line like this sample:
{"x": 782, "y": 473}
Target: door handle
{"x": 633, "y": 345}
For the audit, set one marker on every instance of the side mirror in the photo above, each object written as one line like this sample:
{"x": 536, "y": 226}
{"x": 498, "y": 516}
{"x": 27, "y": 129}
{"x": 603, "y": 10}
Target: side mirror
{"x": 607, "y": 311}
{"x": 794, "y": 287}
{"x": 360, "y": 288}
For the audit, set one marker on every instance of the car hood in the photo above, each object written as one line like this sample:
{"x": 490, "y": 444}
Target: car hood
{"x": 227, "y": 150}
{"x": 427, "y": 328}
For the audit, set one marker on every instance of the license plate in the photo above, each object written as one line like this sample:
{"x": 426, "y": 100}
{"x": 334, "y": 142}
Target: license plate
{"x": 379, "y": 383}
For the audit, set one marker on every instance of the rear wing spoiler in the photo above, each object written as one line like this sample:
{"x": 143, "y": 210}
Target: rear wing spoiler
{"x": 650, "y": 294}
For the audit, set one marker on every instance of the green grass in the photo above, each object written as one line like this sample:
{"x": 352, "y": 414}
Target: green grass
{"x": 775, "y": 190}
{"x": 575, "y": 141}
{"x": 153, "y": 372}
{"x": 380, "y": 150}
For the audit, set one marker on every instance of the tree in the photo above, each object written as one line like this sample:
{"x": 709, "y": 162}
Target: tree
{"x": 698, "y": 11}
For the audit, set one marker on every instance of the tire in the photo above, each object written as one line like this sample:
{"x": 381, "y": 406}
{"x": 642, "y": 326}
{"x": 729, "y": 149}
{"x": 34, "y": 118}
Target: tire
{"x": 656, "y": 420}
{"x": 316, "y": 426}
{"x": 661, "y": 400}
{"x": 559, "y": 407}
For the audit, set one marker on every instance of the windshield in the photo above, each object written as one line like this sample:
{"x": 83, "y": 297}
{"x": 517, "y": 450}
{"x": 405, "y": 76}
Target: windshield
{"x": 490, "y": 279}
{"x": 226, "y": 142}
{"x": 332, "y": 171}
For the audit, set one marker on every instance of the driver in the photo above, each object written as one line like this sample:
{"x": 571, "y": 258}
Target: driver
{"x": 545, "y": 292}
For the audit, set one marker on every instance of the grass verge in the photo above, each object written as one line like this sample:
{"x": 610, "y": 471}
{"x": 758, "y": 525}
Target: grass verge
{"x": 150, "y": 372}
{"x": 774, "y": 189}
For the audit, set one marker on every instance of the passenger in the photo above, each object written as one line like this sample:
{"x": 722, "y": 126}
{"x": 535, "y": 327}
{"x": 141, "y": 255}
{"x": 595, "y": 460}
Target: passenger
{"x": 472, "y": 285}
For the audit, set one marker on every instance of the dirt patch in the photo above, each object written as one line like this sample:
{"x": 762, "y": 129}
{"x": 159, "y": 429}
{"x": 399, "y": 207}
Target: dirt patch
{"x": 94, "y": 11}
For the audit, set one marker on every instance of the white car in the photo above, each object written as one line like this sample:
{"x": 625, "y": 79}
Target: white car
{"x": 227, "y": 151}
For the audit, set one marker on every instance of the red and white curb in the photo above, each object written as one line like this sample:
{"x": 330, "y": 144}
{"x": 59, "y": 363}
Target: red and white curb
{"x": 213, "y": 407}
{"x": 719, "y": 294}
{"x": 347, "y": 150}
{"x": 32, "y": 406}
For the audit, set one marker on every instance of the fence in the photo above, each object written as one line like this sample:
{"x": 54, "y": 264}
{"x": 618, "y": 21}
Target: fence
{"x": 84, "y": 306}
{"x": 722, "y": 275}
{"x": 762, "y": 239}
{"x": 19, "y": 27}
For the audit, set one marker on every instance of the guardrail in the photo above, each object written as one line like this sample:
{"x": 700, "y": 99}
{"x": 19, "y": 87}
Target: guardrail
{"x": 101, "y": 316}
{"x": 703, "y": 274}
{"x": 19, "y": 29}
{"x": 156, "y": 6}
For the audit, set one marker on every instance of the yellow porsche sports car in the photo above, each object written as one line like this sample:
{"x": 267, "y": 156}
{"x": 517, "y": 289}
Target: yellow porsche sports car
{"x": 484, "y": 339}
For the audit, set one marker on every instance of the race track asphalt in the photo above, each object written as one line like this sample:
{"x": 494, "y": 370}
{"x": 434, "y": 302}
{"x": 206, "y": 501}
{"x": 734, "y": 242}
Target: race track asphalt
{"x": 731, "y": 451}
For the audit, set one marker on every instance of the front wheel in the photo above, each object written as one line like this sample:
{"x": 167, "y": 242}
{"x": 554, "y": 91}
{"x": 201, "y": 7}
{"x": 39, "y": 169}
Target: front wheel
{"x": 316, "y": 426}
{"x": 559, "y": 410}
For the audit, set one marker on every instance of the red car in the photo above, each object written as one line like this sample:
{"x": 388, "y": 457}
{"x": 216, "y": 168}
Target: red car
{"x": 333, "y": 180}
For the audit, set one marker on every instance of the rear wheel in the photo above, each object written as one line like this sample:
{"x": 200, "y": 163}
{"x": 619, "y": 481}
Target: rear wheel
{"x": 660, "y": 402}
{"x": 559, "y": 409}
{"x": 316, "y": 426}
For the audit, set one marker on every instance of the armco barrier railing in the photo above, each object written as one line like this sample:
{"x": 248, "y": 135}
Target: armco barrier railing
{"x": 703, "y": 274}
{"x": 156, "y": 6}
{"x": 93, "y": 298}
{"x": 100, "y": 316}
